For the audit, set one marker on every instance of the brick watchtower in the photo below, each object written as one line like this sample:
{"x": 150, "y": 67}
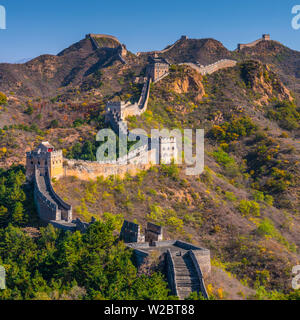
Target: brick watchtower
{"x": 44, "y": 157}
{"x": 157, "y": 68}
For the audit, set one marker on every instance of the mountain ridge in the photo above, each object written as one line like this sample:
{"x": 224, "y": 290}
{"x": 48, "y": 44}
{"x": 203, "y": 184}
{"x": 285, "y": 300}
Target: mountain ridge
{"x": 43, "y": 75}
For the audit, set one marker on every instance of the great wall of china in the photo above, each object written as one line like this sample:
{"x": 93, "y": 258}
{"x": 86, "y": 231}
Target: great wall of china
{"x": 45, "y": 163}
{"x": 211, "y": 68}
{"x": 122, "y": 51}
{"x": 186, "y": 265}
{"x": 265, "y": 37}
{"x": 164, "y": 50}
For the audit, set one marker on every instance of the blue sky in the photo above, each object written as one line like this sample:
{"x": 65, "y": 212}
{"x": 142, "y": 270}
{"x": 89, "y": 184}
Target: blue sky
{"x": 36, "y": 27}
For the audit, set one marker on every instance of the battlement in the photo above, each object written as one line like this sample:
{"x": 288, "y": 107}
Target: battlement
{"x": 182, "y": 38}
{"x": 182, "y": 260}
{"x": 115, "y": 106}
{"x": 50, "y": 206}
{"x": 167, "y": 149}
{"x": 211, "y": 68}
{"x": 157, "y": 68}
{"x": 167, "y": 139}
{"x": 131, "y": 232}
{"x": 41, "y": 154}
{"x": 46, "y": 159}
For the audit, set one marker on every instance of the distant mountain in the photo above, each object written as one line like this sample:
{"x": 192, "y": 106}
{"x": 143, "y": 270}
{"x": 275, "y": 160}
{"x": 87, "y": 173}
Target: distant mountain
{"x": 244, "y": 207}
{"x": 204, "y": 51}
{"x": 283, "y": 60}
{"x": 43, "y": 75}
{"x": 23, "y": 60}
{"x": 76, "y": 65}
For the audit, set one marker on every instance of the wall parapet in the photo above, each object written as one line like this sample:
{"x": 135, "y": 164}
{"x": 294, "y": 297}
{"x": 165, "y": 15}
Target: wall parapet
{"x": 168, "y": 48}
{"x": 171, "y": 274}
{"x": 47, "y": 208}
{"x": 50, "y": 206}
{"x": 57, "y": 198}
{"x": 93, "y": 35}
{"x": 211, "y": 68}
{"x": 188, "y": 246}
{"x": 92, "y": 170}
{"x": 199, "y": 273}
{"x": 265, "y": 37}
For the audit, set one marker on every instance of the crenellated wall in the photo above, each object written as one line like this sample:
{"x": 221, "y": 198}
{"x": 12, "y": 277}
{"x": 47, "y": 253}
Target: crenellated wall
{"x": 119, "y": 111}
{"x": 86, "y": 170}
{"x": 193, "y": 256}
{"x": 265, "y": 37}
{"x": 186, "y": 265}
{"x": 46, "y": 207}
{"x": 95, "y": 36}
{"x": 183, "y": 38}
{"x": 211, "y": 68}
{"x": 44, "y": 160}
{"x": 49, "y": 205}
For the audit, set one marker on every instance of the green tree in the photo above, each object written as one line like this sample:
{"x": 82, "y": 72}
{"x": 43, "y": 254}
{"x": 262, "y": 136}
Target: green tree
{"x": 3, "y": 98}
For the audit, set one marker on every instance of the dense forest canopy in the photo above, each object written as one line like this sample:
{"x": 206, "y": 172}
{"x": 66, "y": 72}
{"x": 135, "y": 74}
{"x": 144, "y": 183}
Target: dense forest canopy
{"x": 59, "y": 265}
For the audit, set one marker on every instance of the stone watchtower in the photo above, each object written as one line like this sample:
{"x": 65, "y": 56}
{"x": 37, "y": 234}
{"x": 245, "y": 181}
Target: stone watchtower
{"x": 131, "y": 233}
{"x": 44, "y": 157}
{"x": 167, "y": 150}
{"x": 266, "y": 37}
{"x": 157, "y": 68}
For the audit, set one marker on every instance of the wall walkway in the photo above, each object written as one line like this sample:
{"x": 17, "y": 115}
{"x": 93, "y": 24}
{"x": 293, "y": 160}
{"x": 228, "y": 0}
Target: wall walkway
{"x": 49, "y": 205}
{"x": 211, "y": 68}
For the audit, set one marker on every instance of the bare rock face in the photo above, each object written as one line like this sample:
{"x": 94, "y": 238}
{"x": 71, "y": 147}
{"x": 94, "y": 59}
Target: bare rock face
{"x": 187, "y": 81}
{"x": 264, "y": 82}
{"x": 45, "y": 65}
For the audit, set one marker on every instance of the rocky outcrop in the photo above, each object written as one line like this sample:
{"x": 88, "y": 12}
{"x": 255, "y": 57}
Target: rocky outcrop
{"x": 264, "y": 82}
{"x": 188, "y": 82}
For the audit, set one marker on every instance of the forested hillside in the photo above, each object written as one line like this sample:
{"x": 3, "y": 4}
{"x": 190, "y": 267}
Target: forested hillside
{"x": 244, "y": 207}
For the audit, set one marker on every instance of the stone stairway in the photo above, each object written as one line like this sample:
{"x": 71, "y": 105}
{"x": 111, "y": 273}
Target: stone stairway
{"x": 186, "y": 276}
